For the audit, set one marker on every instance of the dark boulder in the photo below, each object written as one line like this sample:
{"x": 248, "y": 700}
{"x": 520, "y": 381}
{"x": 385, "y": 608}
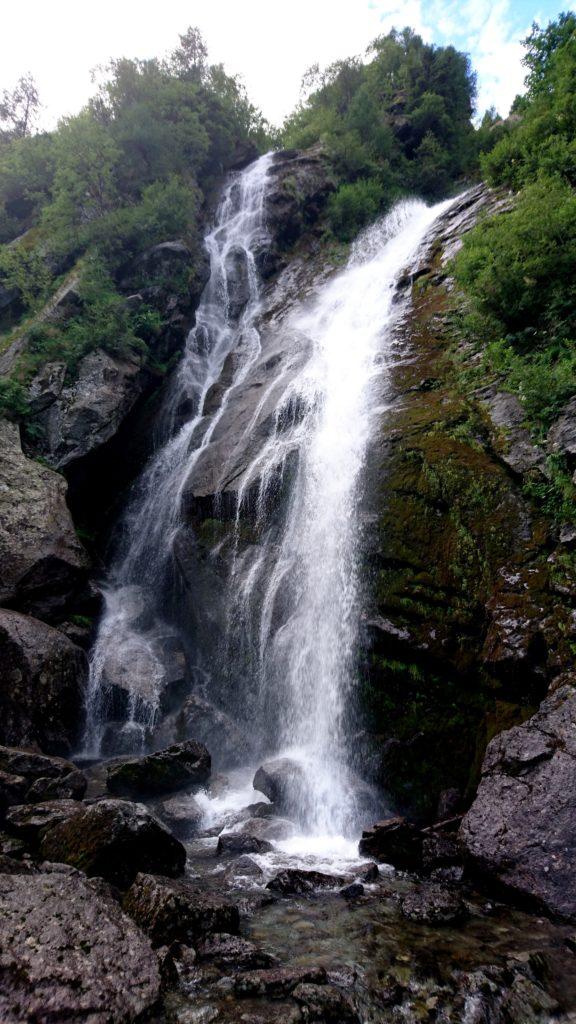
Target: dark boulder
{"x": 521, "y": 828}
{"x": 268, "y": 827}
{"x": 202, "y": 720}
{"x": 176, "y": 911}
{"x": 295, "y": 880}
{"x": 42, "y": 685}
{"x": 181, "y": 814}
{"x": 434, "y": 904}
{"x": 393, "y": 841}
{"x": 238, "y": 842}
{"x": 179, "y": 766}
{"x": 114, "y": 839}
{"x": 70, "y": 955}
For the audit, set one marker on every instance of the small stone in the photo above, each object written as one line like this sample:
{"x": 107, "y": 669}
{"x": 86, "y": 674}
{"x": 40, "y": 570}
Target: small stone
{"x": 353, "y": 891}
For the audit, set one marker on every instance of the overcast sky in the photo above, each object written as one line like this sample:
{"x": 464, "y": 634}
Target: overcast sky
{"x": 270, "y": 44}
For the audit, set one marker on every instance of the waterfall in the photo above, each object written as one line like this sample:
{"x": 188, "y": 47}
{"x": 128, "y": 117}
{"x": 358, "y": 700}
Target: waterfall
{"x": 305, "y": 593}
{"x": 128, "y": 660}
{"x": 284, "y": 661}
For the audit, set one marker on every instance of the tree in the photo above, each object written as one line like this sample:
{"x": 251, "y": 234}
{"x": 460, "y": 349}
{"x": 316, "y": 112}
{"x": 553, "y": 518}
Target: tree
{"x": 190, "y": 60}
{"x": 19, "y": 109}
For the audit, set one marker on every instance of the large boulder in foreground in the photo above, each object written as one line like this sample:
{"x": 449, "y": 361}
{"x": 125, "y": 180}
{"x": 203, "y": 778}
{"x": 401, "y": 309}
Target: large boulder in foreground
{"x": 175, "y": 911}
{"x": 42, "y": 684}
{"x": 69, "y": 954}
{"x": 114, "y": 839}
{"x": 521, "y": 828}
{"x": 177, "y": 767}
{"x": 42, "y": 559}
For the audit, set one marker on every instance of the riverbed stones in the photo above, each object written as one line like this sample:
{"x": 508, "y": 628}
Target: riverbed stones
{"x": 434, "y": 904}
{"x": 69, "y": 954}
{"x": 324, "y": 1003}
{"x": 393, "y": 841}
{"x": 176, "y": 911}
{"x": 42, "y": 684}
{"x": 235, "y": 952}
{"x": 280, "y": 981}
{"x": 116, "y": 840}
{"x": 521, "y": 828}
{"x": 179, "y": 766}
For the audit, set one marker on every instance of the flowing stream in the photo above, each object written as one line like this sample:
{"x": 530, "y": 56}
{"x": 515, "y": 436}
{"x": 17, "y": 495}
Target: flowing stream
{"x": 294, "y": 598}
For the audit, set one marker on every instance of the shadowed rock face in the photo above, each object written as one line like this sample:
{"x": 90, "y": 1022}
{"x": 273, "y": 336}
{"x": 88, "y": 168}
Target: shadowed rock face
{"x": 521, "y": 828}
{"x": 43, "y": 562}
{"x": 67, "y": 948}
{"x": 42, "y": 684}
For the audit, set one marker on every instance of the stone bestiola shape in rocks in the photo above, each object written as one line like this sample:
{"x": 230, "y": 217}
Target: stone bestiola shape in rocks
{"x": 181, "y": 765}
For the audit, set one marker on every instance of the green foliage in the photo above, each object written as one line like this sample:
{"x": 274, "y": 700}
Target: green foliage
{"x": 353, "y": 206}
{"x": 25, "y": 268}
{"x": 13, "y": 399}
{"x": 518, "y": 267}
{"x": 400, "y": 121}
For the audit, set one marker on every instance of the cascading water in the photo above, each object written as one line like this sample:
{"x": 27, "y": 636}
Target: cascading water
{"x": 307, "y": 662}
{"x": 287, "y": 642}
{"x": 130, "y": 648}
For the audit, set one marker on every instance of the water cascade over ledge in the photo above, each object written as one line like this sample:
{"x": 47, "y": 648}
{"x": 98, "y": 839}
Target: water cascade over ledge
{"x": 284, "y": 664}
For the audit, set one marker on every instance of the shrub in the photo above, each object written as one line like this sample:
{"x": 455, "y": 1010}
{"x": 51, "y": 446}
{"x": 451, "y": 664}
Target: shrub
{"x": 353, "y": 206}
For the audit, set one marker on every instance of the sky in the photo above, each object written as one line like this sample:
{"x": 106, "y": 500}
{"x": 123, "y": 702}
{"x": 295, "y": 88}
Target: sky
{"x": 268, "y": 43}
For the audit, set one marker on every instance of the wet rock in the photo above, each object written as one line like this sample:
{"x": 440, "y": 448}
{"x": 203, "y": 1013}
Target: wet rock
{"x": 182, "y": 815}
{"x": 244, "y": 866}
{"x": 352, "y": 891}
{"x": 141, "y": 673}
{"x": 10, "y": 846}
{"x": 440, "y": 851}
{"x": 517, "y": 450}
{"x": 43, "y": 562}
{"x": 521, "y": 828}
{"x": 176, "y": 911}
{"x": 29, "y": 821}
{"x": 296, "y": 880}
{"x": 181, "y": 765}
{"x": 202, "y": 720}
{"x": 42, "y": 683}
{"x": 14, "y": 866}
{"x": 26, "y": 776}
{"x": 237, "y": 842}
{"x": 116, "y": 840}
{"x": 323, "y": 1003}
{"x": 268, "y": 827}
{"x": 393, "y": 841}
{"x": 279, "y": 981}
{"x": 282, "y": 781}
{"x": 68, "y": 954}
{"x": 434, "y": 904}
{"x": 449, "y": 803}
{"x": 515, "y": 645}
{"x": 233, "y": 951}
